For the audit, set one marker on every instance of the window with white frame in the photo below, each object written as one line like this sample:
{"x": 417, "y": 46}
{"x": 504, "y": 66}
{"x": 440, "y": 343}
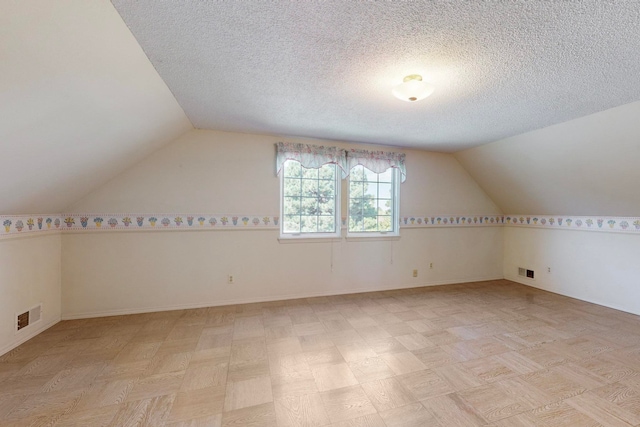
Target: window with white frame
{"x": 310, "y": 199}
{"x": 373, "y": 201}
{"x": 310, "y": 181}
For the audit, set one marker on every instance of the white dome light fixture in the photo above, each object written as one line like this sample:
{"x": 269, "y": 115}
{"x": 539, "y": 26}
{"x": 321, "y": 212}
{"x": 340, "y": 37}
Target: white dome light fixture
{"x": 413, "y": 89}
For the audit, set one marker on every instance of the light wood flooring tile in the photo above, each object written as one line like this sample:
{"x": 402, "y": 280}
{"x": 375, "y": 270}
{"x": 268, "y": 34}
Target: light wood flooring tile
{"x": 284, "y": 346}
{"x": 386, "y": 345}
{"x": 372, "y": 333}
{"x": 602, "y": 411}
{"x": 402, "y": 363}
{"x": 57, "y": 402}
{"x": 425, "y": 384}
{"x": 241, "y": 394}
{"x": 399, "y": 328}
{"x": 313, "y": 328}
{"x": 412, "y": 415}
{"x": 144, "y": 413}
{"x": 459, "y": 377}
{"x": 330, "y": 355}
{"x": 452, "y": 411}
{"x": 414, "y": 341}
{"x": 94, "y": 417}
{"x": 156, "y": 385}
{"x": 315, "y": 342}
{"x": 388, "y": 393}
{"x": 373, "y": 368}
{"x": 203, "y": 375}
{"x": 373, "y": 420}
{"x": 301, "y": 411}
{"x": 255, "y": 416}
{"x": 346, "y": 403}
{"x": 330, "y": 376}
{"x": 493, "y": 403}
{"x": 198, "y": 403}
{"x": 433, "y": 357}
{"x": 356, "y": 351}
{"x": 210, "y": 421}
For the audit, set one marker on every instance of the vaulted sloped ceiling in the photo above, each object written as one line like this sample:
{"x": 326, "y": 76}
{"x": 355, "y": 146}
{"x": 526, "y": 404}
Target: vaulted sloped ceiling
{"x": 586, "y": 166}
{"x": 79, "y": 102}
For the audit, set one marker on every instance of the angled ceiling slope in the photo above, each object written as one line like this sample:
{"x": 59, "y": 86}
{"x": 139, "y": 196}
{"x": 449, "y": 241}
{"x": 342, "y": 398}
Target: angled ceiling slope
{"x": 326, "y": 69}
{"x": 586, "y": 166}
{"x": 79, "y": 102}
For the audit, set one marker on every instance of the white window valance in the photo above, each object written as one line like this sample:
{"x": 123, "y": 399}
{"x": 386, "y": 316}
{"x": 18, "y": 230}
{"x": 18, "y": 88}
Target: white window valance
{"x": 377, "y": 161}
{"x": 314, "y": 156}
{"x": 311, "y": 156}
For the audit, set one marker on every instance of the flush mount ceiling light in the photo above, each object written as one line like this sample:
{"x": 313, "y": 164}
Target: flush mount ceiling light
{"x": 413, "y": 89}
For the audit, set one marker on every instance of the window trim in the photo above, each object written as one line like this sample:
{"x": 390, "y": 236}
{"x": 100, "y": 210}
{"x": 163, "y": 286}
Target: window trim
{"x": 302, "y": 236}
{"x": 395, "y": 214}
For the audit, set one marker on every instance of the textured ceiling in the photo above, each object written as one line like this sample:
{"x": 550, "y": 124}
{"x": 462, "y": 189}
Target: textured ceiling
{"x": 326, "y": 69}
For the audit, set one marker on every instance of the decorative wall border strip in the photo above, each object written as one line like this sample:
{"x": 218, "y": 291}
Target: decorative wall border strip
{"x": 573, "y": 222}
{"x": 16, "y": 225}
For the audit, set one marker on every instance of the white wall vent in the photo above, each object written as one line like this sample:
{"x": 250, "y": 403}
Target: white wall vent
{"x": 525, "y": 273}
{"x": 29, "y": 317}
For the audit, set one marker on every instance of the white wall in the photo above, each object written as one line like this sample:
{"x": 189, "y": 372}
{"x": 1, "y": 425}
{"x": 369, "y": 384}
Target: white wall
{"x": 29, "y": 275}
{"x": 219, "y": 172}
{"x": 586, "y": 166}
{"x": 597, "y": 267}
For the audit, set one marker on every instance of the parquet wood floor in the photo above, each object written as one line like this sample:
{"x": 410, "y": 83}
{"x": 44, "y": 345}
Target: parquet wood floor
{"x": 480, "y": 354}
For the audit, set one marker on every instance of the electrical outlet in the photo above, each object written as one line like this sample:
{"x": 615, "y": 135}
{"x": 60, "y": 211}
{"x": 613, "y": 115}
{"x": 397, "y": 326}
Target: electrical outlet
{"x": 548, "y": 269}
{"x": 430, "y": 265}
{"x": 415, "y": 273}
{"x": 230, "y": 279}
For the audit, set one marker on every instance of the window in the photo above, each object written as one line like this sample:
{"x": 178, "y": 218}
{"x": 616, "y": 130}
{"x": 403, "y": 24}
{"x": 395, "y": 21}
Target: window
{"x": 310, "y": 200}
{"x": 373, "y": 201}
{"x": 310, "y": 181}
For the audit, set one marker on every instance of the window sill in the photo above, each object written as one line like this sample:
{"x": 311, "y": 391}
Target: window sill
{"x": 288, "y": 240}
{"x": 373, "y": 238}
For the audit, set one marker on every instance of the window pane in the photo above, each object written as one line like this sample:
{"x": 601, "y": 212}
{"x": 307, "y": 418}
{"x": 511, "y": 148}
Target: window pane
{"x": 384, "y": 191}
{"x": 291, "y": 206}
{"x": 309, "y": 224}
{"x": 357, "y": 173}
{"x": 386, "y": 176}
{"x": 291, "y": 224}
{"x": 327, "y": 224}
{"x": 384, "y": 207}
{"x": 355, "y": 190}
{"x": 326, "y": 207}
{"x": 355, "y": 223}
{"x": 310, "y": 173}
{"x": 292, "y": 187}
{"x": 292, "y": 169}
{"x": 309, "y": 188}
{"x": 309, "y": 206}
{"x": 328, "y": 172}
{"x": 371, "y": 189}
{"x": 326, "y": 189}
{"x": 371, "y": 202}
{"x": 370, "y": 175}
{"x": 370, "y": 223}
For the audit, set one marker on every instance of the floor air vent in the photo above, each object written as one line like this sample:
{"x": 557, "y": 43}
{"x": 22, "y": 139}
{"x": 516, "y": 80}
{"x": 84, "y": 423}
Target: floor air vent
{"x": 29, "y": 317}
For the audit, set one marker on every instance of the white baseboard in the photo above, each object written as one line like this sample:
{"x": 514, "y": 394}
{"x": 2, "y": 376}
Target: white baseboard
{"x": 27, "y": 336}
{"x": 542, "y": 287}
{"x": 119, "y": 312}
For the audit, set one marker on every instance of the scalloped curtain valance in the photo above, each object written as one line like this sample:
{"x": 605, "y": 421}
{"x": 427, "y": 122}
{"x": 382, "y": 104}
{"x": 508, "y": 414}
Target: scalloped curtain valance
{"x": 314, "y": 156}
{"x": 311, "y": 156}
{"x": 377, "y": 161}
